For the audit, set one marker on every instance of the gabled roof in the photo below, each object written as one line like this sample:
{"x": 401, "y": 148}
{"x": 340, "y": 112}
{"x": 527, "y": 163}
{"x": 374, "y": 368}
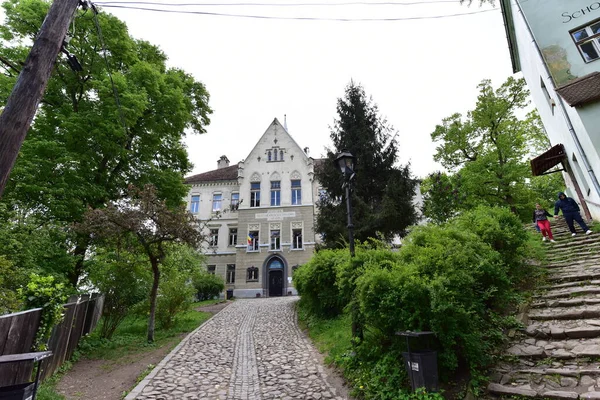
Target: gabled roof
{"x": 222, "y": 174}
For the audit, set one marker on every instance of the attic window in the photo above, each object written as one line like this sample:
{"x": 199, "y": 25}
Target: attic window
{"x": 275, "y": 154}
{"x": 587, "y": 39}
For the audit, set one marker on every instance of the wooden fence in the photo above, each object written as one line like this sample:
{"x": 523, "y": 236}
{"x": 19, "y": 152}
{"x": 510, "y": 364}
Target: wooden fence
{"x": 17, "y": 333}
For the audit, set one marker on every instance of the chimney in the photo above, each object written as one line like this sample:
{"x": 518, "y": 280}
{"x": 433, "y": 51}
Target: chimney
{"x": 223, "y": 162}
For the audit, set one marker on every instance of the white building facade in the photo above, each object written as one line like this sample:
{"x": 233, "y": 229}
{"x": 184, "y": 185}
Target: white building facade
{"x": 556, "y": 45}
{"x": 258, "y": 215}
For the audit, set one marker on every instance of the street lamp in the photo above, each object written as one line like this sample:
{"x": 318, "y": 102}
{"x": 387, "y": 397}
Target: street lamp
{"x": 345, "y": 163}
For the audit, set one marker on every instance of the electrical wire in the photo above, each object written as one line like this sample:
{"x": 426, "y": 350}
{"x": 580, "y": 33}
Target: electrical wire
{"x": 298, "y": 18}
{"x": 351, "y": 3}
{"x": 112, "y": 83}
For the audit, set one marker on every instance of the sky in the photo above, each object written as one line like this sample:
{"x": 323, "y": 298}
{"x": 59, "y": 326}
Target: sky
{"x": 416, "y": 71}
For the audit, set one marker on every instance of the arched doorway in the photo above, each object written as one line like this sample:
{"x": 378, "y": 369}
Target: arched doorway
{"x": 275, "y": 276}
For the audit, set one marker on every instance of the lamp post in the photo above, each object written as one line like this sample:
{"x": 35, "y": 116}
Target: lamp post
{"x": 345, "y": 163}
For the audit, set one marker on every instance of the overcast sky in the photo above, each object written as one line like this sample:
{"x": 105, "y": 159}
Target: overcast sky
{"x": 417, "y": 71}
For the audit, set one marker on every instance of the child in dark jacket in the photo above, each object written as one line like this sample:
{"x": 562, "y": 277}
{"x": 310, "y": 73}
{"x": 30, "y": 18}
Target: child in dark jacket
{"x": 540, "y": 217}
{"x": 570, "y": 210}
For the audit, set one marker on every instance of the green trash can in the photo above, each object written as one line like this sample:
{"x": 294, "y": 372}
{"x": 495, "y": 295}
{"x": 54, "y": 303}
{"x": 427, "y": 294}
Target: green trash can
{"x": 23, "y": 391}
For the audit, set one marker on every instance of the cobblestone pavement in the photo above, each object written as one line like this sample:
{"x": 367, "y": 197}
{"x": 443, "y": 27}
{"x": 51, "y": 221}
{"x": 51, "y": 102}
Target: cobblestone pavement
{"x": 251, "y": 350}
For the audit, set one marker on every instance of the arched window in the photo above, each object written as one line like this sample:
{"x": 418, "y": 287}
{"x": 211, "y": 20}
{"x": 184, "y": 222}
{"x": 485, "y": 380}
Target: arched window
{"x": 269, "y": 155}
{"x": 275, "y": 155}
{"x": 281, "y": 155}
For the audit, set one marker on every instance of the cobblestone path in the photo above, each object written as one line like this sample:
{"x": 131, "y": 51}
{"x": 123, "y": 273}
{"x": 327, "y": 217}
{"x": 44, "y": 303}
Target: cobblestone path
{"x": 253, "y": 350}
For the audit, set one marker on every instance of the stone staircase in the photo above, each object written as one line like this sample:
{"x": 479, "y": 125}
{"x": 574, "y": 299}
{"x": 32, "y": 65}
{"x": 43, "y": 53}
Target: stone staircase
{"x": 557, "y": 354}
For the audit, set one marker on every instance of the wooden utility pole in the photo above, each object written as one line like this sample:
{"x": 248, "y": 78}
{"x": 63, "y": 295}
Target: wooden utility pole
{"x": 31, "y": 84}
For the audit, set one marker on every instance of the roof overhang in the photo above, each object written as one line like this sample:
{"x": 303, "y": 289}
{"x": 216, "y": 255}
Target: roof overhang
{"x": 511, "y": 37}
{"x": 542, "y": 163}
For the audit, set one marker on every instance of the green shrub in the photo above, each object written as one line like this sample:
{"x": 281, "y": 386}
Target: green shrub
{"x": 446, "y": 283}
{"x": 10, "y": 278}
{"x": 44, "y": 292}
{"x": 207, "y": 286}
{"x": 175, "y": 295}
{"x": 316, "y": 283}
{"x": 500, "y": 228}
{"x": 125, "y": 280}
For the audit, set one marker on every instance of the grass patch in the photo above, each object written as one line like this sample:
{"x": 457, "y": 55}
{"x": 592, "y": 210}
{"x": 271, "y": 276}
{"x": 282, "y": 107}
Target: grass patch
{"x": 333, "y": 337}
{"x": 130, "y": 336}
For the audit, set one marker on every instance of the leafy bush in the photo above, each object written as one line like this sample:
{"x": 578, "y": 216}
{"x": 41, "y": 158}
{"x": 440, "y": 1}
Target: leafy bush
{"x": 208, "y": 286}
{"x": 9, "y": 282}
{"x": 446, "y": 282}
{"x": 175, "y": 295}
{"x": 316, "y": 283}
{"x": 501, "y": 229}
{"x": 46, "y": 293}
{"x": 124, "y": 280}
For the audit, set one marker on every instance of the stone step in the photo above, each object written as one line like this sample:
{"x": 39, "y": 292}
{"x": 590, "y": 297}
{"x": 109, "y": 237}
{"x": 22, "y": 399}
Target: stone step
{"x": 582, "y": 290}
{"x": 569, "y": 382}
{"x": 561, "y": 285}
{"x": 569, "y": 302}
{"x": 574, "y": 274}
{"x": 577, "y": 241}
{"x": 572, "y": 263}
{"x": 568, "y": 349}
{"x": 561, "y": 313}
{"x": 590, "y": 258}
{"x": 563, "y": 329}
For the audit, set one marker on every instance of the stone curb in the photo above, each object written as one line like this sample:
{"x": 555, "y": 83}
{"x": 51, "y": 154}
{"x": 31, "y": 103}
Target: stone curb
{"x": 140, "y": 386}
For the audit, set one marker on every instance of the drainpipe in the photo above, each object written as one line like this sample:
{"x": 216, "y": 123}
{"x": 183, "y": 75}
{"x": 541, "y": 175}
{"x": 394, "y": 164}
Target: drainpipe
{"x": 584, "y": 158}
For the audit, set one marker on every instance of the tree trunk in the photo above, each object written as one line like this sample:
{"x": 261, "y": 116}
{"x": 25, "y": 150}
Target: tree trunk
{"x": 153, "y": 296}
{"x": 79, "y": 254}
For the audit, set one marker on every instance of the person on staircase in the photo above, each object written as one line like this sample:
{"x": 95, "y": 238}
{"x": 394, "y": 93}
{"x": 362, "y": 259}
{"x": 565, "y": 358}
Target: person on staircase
{"x": 540, "y": 218}
{"x": 570, "y": 210}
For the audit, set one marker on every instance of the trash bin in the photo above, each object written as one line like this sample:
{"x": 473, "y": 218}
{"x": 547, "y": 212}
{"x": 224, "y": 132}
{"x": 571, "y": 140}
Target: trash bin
{"x": 229, "y": 294}
{"x": 23, "y": 391}
{"x": 421, "y": 366}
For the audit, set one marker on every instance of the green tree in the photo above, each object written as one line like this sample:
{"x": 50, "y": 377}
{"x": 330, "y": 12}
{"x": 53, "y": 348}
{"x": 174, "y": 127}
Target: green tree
{"x": 490, "y": 147}
{"x": 442, "y": 196}
{"x": 382, "y": 191}
{"x": 144, "y": 220}
{"x": 85, "y": 146}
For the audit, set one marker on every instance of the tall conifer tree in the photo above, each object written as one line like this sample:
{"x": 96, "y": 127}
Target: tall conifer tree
{"x": 382, "y": 191}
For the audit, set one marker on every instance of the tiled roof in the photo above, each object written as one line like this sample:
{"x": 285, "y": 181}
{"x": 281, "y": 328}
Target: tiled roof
{"x": 582, "y": 90}
{"x": 222, "y": 174}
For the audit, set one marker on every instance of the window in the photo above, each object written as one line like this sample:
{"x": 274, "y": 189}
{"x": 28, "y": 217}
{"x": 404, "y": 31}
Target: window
{"x": 547, "y": 94}
{"x": 211, "y": 269}
{"x": 217, "y": 199}
{"x": 275, "y": 155}
{"x": 255, "y": 194}
{"x": 281, "y": 155}
{"x": 587, "y": 40}
{"x": 253, "y": 241}
{"x": 269, "y": 156}
{"x": 252, "y": 274}
{"x": 296, "y": 238}
{"x": 275, "y": 239}
{"x": 230, "y": 276}
{"x": 232, "y": 236}
{"x": 296, "y": 192}
{"x": 195, "y": 204}
{"x": 275, "y": 193}
{"x": 235, "y": 202}
{"x": 213, "y": 239}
